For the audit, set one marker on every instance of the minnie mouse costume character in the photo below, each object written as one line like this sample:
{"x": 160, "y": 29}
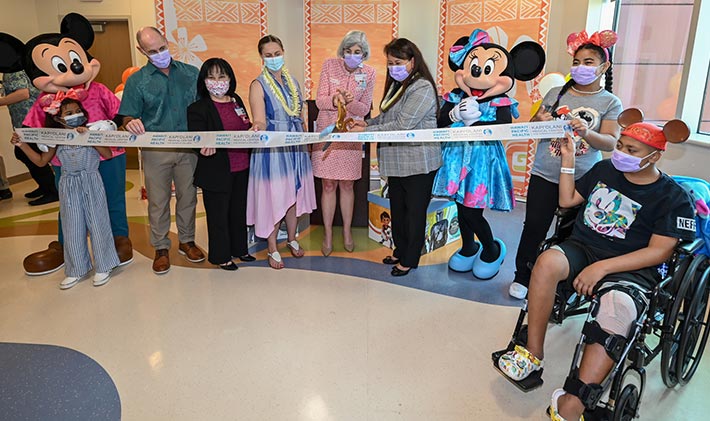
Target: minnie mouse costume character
{"x": 61, "y": 67}
{"x": 476, "y": 174}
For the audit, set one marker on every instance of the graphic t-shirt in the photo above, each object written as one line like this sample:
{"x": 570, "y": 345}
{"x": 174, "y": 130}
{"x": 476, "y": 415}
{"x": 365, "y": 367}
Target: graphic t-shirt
{"x": 619, "y": 217}
{"x": 591, "y": 109}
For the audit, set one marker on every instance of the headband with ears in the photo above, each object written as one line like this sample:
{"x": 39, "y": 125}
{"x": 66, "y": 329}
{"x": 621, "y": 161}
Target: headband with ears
{"x": 674, "y": 131}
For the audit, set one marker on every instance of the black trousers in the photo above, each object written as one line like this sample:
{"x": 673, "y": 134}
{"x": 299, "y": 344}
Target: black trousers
{"x": 227, "y": 220}
{"x": 43, "y": 176}
{"x": 409, "y": 199}
{"x": 543, "y": 199}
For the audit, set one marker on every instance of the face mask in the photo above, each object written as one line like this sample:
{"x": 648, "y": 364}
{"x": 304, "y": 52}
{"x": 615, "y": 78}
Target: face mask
{"x": 217, "y": 87}
{"x": 584, "y": 75}
{"x": 398, "y": 73}
{"x": 628, "y": 163}
{"x": 274, "y": 63}
{"x": 161, "y": 60}
{"x": 353, "y": 60}
{"x": 75, "y": 120}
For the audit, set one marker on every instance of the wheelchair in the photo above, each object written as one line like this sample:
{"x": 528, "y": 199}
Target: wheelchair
{"x": 675, "y": 312}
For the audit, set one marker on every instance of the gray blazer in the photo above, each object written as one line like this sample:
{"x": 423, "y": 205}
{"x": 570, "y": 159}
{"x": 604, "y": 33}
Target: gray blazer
{"x": 415, "y": 110}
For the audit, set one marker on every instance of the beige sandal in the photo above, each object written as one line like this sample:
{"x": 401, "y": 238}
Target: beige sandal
{"x": 275, "y": 257}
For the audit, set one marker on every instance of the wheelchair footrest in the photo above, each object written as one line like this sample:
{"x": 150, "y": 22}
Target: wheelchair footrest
{"x": 532, "y": 382}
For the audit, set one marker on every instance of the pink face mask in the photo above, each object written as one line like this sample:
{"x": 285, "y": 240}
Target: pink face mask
{"x": 217, "y": 87}
{"x": 628, "y": 163}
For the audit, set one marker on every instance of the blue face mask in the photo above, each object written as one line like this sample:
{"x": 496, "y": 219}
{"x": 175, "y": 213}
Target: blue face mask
{"x": 274, "y": 63}
{"x": 75, "y": 120}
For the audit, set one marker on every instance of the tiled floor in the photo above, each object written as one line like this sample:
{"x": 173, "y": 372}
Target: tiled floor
{"x": 324, "y": 339}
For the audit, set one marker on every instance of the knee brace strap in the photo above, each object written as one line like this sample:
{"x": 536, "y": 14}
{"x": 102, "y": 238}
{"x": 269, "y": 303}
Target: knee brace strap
{"x": 613, "y": 344}
{"x": 589, "y": 394}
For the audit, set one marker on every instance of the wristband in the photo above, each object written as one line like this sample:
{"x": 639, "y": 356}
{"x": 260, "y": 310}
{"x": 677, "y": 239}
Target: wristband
{"x": 565, "y": 170}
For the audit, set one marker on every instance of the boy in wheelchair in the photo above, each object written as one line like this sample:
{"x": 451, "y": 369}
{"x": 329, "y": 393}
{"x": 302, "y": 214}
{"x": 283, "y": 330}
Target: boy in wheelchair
{"x": 631, "y": 219}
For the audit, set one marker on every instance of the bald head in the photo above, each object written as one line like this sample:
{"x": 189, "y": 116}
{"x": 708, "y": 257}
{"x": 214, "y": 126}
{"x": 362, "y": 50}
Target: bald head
{"x": 151, "y": 41}
{"x": 148, "y": 35}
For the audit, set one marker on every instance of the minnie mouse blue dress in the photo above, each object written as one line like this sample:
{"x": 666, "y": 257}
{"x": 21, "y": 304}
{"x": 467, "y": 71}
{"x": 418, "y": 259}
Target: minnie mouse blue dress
{"x": 476, "y": 174}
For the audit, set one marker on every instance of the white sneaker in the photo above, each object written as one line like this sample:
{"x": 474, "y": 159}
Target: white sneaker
{"x": 101, "y": 278}
{"x": 69, "y": 282}
{"x": 517, "y": 290}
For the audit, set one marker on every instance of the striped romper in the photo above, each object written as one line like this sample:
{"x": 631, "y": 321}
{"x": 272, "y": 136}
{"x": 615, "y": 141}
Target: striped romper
{"x": 83, "y": 207}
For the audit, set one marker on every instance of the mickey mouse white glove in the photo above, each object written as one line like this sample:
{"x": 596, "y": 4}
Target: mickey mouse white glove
{"x": 102, "y": 125}
{"x": 466, "y": 111}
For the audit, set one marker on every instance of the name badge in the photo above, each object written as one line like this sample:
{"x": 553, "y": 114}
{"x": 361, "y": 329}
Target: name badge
{"x": 240, "y": 111}
{"x": 361, "y": 80}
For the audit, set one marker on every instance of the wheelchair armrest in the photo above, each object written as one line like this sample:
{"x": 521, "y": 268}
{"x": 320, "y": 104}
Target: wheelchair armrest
{"x": 689, "y": 247}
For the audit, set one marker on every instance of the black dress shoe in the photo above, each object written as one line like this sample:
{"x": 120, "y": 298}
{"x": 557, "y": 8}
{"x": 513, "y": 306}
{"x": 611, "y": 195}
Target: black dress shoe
{"x": 247, "y": 258}
{"x": 399, "y": 272}
{"x": 389, "y": 260}
{"x": 5, "y": 194}
{"x": 229, "y": 266}
{"x": 47, "y": 198}
{"x": 34, "y": 193}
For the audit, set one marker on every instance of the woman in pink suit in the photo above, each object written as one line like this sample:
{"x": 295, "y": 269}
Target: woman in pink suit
{"x": 349, "y": 81}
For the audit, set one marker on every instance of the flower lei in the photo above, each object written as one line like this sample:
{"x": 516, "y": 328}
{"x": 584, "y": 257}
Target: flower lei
{"x": 295, "y": 109}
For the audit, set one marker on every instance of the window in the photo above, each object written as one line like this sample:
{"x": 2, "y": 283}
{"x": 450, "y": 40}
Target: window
{"x": 662, "y": 61}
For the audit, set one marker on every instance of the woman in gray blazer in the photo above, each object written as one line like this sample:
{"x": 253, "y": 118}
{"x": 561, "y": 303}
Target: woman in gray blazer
{"x": 409, "y": 103}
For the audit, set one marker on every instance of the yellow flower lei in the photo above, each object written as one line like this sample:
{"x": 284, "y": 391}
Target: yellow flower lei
{"x": 295, "y": 109}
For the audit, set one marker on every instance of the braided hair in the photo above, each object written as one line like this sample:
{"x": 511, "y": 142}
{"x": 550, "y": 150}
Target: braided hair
{"x": 608, "y": 75}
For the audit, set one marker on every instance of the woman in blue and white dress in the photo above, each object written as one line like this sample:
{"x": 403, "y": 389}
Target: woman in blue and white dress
{"x": 281, "y": 179}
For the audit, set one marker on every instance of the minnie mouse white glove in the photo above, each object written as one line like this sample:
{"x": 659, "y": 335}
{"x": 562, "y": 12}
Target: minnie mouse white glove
{"x": 466, "y": 111}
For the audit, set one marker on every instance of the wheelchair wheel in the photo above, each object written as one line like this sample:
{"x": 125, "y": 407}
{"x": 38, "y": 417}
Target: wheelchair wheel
{"x": 673, "y": 322}
{"x": 627, "y": 404}
{"x": 695, "y": 330}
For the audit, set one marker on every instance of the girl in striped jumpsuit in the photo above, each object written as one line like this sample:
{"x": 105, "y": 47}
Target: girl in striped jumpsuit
{"x": 82, "y": 199}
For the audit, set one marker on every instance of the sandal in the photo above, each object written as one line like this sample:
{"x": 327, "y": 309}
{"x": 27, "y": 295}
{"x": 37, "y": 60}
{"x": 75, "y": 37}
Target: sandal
{"x": 275, "y": 257}
{"x": 296, "y": 250}
{"x": 554, "y": 414}
{"x": 519, "y": 363}
{"x": 389, "y": 260}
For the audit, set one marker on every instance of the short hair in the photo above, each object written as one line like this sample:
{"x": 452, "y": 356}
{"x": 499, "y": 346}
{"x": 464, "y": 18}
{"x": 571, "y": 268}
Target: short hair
{"x": 355, "y": 38}
{"x": 153, "y": 28}
{"x": 384, "y": 215}
{"x": 267, "y": 39}
{"x": 221, "y": 64}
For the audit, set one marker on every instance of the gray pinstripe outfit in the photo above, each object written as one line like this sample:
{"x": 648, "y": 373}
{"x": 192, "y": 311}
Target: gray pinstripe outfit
{"x": 82, "y": 207}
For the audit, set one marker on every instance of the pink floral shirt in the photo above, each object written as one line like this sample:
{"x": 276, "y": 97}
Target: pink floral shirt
{"x": 335, "y": 76}
{"x": 101, "y": 104}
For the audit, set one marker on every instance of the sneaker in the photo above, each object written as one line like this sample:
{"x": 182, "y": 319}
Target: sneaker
{"x": 100, "y": 278}
{"x": 161, "y": 262}
{"x": 191, "y": 252}
{"x": 517, "y": 290}
{"x": 5, "y": 194}
{"x": 69, "y": 282}
{"x": 519, "y": 363}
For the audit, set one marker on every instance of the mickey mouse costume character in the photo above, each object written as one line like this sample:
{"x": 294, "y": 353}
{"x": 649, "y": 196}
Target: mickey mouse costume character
{"x": 59, "y": 65}
{"x": 476, "y": 174}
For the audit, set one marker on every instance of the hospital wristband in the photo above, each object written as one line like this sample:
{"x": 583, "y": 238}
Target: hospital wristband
{"x": 565, "y": 170}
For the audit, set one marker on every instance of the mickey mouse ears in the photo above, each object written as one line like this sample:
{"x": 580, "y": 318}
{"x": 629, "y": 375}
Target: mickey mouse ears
{"x": 603, "y": 39}
{"x": 631, "y": 120}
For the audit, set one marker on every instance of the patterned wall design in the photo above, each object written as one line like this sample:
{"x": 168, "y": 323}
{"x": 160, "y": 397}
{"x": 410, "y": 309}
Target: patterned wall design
{"x": 508, "y": 22}
{"x": 329, "y": 20}
{"x": 200, "y": 29}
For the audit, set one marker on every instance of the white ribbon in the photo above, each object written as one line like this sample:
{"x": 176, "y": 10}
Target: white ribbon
{"x": 248, "y": 139}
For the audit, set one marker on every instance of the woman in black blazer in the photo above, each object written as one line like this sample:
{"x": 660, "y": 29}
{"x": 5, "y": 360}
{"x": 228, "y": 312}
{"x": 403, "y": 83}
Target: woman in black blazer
{"x": 222, "y": 174}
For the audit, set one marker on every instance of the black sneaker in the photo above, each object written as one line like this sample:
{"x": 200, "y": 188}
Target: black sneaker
{"x": 5, "y": 194}
{"x": 47, "y": 198}
{"x": 34, "y": 193}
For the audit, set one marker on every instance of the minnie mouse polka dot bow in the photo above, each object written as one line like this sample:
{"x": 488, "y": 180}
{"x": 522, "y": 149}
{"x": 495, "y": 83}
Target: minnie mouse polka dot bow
{"x": 603, "y": 39}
